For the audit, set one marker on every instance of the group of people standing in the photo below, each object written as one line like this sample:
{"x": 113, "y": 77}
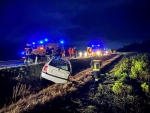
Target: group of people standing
{"x": 72, "y": 52}
{"x": 58, "y": 52}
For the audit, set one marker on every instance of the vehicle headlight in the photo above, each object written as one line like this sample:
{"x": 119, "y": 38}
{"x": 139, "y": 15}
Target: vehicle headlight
{"x": 98, "y": 53}
{"x": 80, "y": 54}
{"x": 85, "y": 54}
{"x": 92, "y": 53}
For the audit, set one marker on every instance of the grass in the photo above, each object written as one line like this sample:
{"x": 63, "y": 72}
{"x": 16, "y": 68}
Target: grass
{"x": 103, "y": 98}
{"x": 57, "y": 94}
{"x": 21, "y": 90}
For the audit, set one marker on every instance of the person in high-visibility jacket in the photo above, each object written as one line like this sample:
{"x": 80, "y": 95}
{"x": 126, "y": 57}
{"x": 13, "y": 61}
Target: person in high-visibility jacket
{"x": 69, "y": 51}
{"x": 96, "y": 66}
{"x": 28, "y": 50}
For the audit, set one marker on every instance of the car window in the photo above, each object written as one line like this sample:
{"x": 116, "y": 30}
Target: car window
{"x": 60, "y": 64}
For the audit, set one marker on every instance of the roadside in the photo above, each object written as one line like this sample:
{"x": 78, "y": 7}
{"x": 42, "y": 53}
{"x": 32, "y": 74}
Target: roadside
{"x": 48, "y": 95}
{"x": 114, "y": 94}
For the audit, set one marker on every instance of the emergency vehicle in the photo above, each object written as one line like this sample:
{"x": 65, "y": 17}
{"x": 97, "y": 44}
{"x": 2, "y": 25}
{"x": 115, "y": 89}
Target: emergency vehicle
{"x": 39, "y": 48}
{"x": 97, "y": 50}
{"x": 107, "y": 51}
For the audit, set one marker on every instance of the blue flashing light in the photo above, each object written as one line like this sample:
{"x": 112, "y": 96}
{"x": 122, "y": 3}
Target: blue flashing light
{"x": 22, "y": 53}
{"x": 33, "y": 43}
{"x": 98, "y": 45}
{"x": 46, "y": 39}
{"x": 41, "y": 42}
{"x": 61, "y": 41}
{"x": 92, "y": 45}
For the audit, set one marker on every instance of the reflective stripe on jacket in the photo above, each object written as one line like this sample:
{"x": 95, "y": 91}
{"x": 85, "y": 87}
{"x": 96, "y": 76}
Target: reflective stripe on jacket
{"x": 96, "y": 65}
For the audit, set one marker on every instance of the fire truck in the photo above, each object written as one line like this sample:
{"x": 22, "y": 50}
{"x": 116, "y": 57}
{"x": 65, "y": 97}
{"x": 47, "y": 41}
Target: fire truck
{"x": 97, "y": 50}
{"x": 39, "y": 48}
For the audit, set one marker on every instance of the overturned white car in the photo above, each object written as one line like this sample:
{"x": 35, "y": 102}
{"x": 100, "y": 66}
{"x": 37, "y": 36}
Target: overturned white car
{"x": 57, "y": 70}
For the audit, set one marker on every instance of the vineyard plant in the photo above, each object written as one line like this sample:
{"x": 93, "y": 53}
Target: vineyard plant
{"x": 124, "y": 89}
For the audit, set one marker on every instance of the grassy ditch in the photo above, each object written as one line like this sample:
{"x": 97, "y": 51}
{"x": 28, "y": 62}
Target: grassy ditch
{"x": 123, "y": 89}
{"x": 18, "y": 82}
{"x": 47, "y": 98}
{"x": 119, "y": 91}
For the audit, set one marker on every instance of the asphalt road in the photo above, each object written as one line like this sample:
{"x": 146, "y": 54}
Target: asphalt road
{"x": 15, "y": 63}
{"x": 8, "y": 64}
{"x": 11, "y": 64}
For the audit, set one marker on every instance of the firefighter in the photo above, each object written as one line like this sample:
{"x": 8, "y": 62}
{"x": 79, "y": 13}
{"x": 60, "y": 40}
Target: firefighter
{"x": 96, "y": 64}
{"x": 72, "y": 52}
{"x": 48, "y": 53}
{"x": 63, "y": 52}
{"x": 28, "y": 50}
{"x": 75, "y": 54}
{"x": 69, "y": 51}
{"x": 52, "y": 51}
{"x": 58, "y": 51}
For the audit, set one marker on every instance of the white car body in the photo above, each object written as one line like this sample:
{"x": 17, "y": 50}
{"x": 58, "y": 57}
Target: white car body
{"x": 57, "y": 70}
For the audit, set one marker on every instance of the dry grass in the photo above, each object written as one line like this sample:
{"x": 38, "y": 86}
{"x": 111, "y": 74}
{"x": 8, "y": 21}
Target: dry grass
{"x": 41, "y": 98}
{"x": 21, "y": 90}
{"x": 49, "y": 93}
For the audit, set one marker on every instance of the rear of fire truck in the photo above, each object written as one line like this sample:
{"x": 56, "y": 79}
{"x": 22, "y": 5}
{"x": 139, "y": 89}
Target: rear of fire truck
{"x": 39, "y": 48}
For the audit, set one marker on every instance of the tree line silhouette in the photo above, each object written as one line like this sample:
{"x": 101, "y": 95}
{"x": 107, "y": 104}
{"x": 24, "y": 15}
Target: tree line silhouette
{"x": 136, "y": 47}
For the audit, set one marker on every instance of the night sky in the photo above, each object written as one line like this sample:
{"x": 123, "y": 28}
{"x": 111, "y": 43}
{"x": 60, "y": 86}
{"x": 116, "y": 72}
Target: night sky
{"x": 113, "y": 22}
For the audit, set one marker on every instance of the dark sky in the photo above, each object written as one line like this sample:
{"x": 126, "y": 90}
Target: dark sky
{"x": 114, "y": 22}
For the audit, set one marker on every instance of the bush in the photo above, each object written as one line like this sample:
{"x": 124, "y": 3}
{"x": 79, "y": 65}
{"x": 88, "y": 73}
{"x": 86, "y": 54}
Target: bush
{"x": 122, "y": 71}
{"x": 117, "y": 87}
{"x": 127, "y": 89}
{"x": 100, "y": 87}
{"x": 134, "y": 72}
{"x": 145, "y": 87}
{"x": 139, "y": 69}
{"x": 88, "y": 109}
